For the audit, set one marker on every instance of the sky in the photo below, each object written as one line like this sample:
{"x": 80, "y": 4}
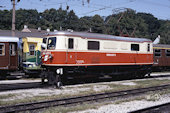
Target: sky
{"x": 158, "y": 8}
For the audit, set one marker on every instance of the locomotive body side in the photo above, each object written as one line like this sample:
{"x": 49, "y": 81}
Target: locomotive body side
{"x": 94, "y": 53}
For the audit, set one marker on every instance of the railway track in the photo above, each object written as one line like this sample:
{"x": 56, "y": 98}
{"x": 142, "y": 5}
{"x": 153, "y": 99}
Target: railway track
{"x": 16, "y": 86}
{"x": 163, "y": 108}
{"x": 77, "y": 100}
{"x": 8, "y": 87}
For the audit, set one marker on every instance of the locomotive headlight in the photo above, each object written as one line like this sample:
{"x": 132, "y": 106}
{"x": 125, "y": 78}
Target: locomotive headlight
{"x": 51, "y": 56}
{"x": 46, "y": 58}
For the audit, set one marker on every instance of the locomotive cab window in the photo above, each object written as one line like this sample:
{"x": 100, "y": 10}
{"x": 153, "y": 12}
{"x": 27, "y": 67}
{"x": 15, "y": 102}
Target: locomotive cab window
{"x": 2, "y": 49}
{"x": 32, "y": 49}
{"x": 168, "y": 52}
{"x": 93, "y": 45}
{"x": 43, "y": 45}
{"x": 12, "y": 49}
{"x": 70, "y": 43}
{"x": 51, "y": 43}
{"x": 134, "y": 47}
{"x": 157, "y": 52}
{"x": 44, "y": 40}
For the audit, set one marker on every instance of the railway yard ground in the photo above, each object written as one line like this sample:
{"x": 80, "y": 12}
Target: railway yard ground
{"x": 116, "y": 105}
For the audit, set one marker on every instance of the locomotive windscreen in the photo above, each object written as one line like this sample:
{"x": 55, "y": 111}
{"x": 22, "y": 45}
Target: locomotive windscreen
{"x": 51, "y": 43}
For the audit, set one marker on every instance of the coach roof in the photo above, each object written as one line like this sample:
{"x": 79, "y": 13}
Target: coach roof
{"x": 8, "y": 39}
{"x": 99, "y": 36}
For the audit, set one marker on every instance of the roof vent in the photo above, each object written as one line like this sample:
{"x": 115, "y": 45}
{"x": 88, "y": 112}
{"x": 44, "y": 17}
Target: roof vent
{"x": 48, "y": 30}
{"x": 39, "y": 29}
{"x": 25, "y": 29}
{"x": 55, "y": 30}
{"x": 69, "y": 30}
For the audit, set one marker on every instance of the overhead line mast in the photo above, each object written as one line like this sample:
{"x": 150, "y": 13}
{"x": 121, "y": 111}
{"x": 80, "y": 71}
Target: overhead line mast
{"x": 13, "y": 16}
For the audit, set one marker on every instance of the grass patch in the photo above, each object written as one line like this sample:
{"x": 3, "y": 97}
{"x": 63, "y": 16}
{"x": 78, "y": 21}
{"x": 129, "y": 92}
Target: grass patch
{"x": 7, "y": 96}
{"x": 149, "y": 83}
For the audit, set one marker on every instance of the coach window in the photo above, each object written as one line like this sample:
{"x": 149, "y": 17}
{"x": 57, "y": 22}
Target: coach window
{"x": 157, "y": 52}
{"x": 12, "y": 49}
{"x": 93, "y": 45}
{"x": 32, "y": 49}
{"x": 2, "y": 49}
{"x": 70, "y": 43}
{"x": 134, "y": 47}
{"x": 168, "y": 52}
{"x": 51, "y": 43}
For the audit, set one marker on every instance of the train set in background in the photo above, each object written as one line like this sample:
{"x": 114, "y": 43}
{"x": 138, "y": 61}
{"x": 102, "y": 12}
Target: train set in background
{"x": 21, "y": 55}
{"x": 82, "y": 55}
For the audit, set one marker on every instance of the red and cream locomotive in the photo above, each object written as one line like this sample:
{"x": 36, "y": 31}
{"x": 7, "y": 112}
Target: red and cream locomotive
{"x": 82, "y": 54}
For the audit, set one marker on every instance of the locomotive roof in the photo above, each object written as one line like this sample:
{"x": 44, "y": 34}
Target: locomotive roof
{"x": 8, "y": 39}
{"x": 99, "y": 36}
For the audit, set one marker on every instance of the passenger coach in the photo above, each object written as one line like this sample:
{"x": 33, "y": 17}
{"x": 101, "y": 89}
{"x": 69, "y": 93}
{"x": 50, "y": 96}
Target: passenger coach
{"x": 8, "y": 54}
{"x": 161, "y": 57}
{"x": 70, "y": 53}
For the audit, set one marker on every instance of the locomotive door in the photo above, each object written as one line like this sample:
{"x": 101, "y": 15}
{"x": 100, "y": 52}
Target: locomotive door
{"x": 13, "y": 55}
{"x": 71, "y": 53}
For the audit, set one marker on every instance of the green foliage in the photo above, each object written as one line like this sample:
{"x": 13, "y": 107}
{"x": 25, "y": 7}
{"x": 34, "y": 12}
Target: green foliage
{"x": 5, "y": 19}
{"x": 127, "y": 23}
{"x": 26, "y": 17}
{"x": 98, "y": 24}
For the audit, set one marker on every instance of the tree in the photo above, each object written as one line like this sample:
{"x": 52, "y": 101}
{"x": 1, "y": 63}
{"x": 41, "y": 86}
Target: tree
{"x": 72, "y": 21}
{"x": 85, "y": 23}
{"x": 97, "y": 24}
{"x": 153, "y": 24}
{"x": 164, "y": 32}
{"x": 27, "y": 17}
{"x": 126, "y": 23}
{"x": 5, "y": 19}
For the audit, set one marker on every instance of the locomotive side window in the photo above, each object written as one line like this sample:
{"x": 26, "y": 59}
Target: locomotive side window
{"x": 32, "y": 49}
{"x": 148, "y": 47}
{"x": 2, "y": 49}
{"x": 12, "y": 49}
{"x": 93, "y": 45}
{"x": 134, "y": 47}
{"x": 70, "y": 43}
{"x": 157, "y": 52}
{"x": 51, "y": 43}
{"x": 168, "y": 52}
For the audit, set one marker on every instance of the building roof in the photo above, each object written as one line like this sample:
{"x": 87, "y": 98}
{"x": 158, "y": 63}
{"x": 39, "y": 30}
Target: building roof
{"x": 99, "y": 36}
{"x": 33, "y": 33}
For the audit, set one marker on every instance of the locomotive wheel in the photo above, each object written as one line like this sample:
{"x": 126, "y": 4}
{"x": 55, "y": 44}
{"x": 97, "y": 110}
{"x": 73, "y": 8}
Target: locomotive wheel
{"x": 58, "y": 82}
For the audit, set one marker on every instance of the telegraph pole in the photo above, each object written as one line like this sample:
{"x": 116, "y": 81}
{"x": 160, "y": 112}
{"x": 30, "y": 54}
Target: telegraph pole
{"x": 13, "y": 18}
